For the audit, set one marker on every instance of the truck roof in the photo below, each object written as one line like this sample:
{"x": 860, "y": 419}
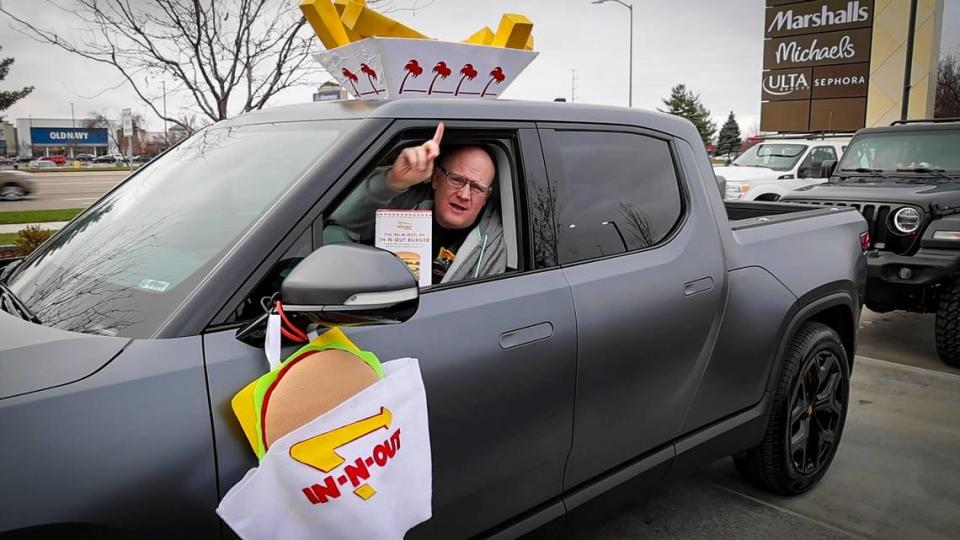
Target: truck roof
{"x": 471, "y": 109}
{"x": 919, "y": 126}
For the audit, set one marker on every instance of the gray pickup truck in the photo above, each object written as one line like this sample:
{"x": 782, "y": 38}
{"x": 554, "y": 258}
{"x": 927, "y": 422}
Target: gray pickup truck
{"x": 641, "y": 327}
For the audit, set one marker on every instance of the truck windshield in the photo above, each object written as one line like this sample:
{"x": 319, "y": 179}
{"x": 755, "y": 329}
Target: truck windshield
{"x": 937, "y": 150}
{"x": 125, "y": 264}
{"x": 779, "y": 157}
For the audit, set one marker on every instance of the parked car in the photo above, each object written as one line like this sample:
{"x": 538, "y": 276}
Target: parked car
{"x": 15, "y": 185}
{"x": 6, "y": 161}
{"x": 24, "y": 159}
{"x": 56, "y": 160}
{"x": 769, "y": 170}
{"x": 42, "y": 164}
{"x": 905, "y": 179}
{"x": 85, "y": 157}
{"x": 642, "y": 326}
{"x": 111, "y": 158}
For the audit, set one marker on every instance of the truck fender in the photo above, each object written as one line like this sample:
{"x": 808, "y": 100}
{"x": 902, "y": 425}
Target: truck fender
{"x": 833, "y": 308}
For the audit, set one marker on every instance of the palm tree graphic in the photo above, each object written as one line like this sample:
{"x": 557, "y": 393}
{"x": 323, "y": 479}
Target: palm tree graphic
{"x": 467, "y": 73}
{"x": 371, "y": 76}
{"x": 496, "y": 75}
{"x": 441, "y": 71}
{"x": 353, "y": 80}
{"x": 412, "y": 68}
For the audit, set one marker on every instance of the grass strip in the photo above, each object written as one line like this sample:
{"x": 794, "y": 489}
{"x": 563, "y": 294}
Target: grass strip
{"x": 38, "y": 216}
{"x": 8, "y": 239}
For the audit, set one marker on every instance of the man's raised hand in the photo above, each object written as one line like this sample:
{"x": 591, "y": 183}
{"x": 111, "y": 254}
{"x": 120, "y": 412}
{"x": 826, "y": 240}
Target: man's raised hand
{"x": 415, "y": 164}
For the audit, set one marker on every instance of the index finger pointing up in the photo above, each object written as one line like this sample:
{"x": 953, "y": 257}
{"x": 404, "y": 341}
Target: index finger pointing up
{"x": 439, "y": 133}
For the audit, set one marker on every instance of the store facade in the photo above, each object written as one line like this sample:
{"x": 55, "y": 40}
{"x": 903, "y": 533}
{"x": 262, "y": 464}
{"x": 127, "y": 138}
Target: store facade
{"x": 37, "y": 137}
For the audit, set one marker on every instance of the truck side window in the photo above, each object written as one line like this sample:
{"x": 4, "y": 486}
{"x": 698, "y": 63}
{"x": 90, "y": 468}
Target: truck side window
{"x": 620, "y": 193}
{"x": 816, "y": 157}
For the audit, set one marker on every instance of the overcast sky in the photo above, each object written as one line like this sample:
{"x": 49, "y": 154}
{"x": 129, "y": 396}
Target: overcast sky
{"x": 713, "y": 46}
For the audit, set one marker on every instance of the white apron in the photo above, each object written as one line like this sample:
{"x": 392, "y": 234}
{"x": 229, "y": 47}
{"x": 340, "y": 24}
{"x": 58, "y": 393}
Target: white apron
{"x": 362, "y": 470}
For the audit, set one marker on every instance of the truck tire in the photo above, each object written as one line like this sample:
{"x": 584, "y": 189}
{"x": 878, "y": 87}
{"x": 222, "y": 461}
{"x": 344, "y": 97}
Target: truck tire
{"x": 806, "y": 416}
{"x": 948, "y": 325}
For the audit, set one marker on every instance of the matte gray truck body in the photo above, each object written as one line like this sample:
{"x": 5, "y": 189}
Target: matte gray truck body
{"x": 546, "y": 387}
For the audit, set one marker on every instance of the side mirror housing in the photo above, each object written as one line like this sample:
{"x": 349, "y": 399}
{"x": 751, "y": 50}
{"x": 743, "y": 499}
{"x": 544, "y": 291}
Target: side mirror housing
{"x": 351, "y": 284}
{"x": 722, "y": 184}
{"x": 827, "y": 168}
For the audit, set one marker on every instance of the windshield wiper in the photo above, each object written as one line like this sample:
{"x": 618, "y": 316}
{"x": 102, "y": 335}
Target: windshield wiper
{"x": 926, "y": 170}
{"x": 865, "y": 170}
{"x": 13, "y": 305}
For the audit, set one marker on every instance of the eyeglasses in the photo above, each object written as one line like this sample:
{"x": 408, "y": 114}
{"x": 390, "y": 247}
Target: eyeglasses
{"x": 457, "y": 182}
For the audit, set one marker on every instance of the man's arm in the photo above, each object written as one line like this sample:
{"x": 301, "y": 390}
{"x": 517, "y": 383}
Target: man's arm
{"x": 357, "y": 214}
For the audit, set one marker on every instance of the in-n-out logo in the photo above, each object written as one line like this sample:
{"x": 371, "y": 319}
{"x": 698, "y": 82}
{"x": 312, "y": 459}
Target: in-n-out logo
{"x": 320, "y": 452}
{"x": 787, "y": 20}
{"x": 782, "y": 84}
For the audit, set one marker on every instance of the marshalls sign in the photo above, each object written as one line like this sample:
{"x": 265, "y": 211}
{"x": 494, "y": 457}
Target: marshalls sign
{"x": 816, "y": 61}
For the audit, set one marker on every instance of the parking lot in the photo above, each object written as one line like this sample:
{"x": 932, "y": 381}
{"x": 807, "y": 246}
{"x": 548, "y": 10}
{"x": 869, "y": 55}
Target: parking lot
{"x": 896, "y": 474}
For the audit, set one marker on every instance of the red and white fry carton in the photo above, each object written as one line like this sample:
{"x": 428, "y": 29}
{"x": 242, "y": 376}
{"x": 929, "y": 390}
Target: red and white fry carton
{"x": 381, "y": 67}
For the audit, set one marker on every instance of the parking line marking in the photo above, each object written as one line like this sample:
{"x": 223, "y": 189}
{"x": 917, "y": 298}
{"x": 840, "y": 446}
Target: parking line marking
{"x": 793, "y": 513}
{"x": 905, "y": 367}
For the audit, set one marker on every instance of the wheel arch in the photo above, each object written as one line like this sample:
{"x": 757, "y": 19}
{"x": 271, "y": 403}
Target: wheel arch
{"x": 838, "y": 310}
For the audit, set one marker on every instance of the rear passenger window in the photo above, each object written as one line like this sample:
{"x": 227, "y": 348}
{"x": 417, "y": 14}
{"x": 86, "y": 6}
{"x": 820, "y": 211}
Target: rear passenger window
{"x": 619, "y": 193}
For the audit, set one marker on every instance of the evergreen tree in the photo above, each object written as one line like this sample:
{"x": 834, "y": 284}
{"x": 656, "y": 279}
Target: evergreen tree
{"x": 729, "y": 141}
{"x": 8, "y": 98}
{"x": 683, "y": 102}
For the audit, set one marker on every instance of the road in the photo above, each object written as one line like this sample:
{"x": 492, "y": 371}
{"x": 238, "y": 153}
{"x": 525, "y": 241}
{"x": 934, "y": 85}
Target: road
{"x": 66, "y": 190}
{"x": 896, "y": 474}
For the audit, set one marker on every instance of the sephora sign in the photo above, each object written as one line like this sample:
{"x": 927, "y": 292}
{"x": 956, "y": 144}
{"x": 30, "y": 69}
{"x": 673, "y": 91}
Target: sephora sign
{"x": 816, "y": 62}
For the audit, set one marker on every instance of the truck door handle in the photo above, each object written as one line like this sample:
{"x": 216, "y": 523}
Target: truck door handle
{"x": 698, "y": 286}
{"x": 528, "y": 334}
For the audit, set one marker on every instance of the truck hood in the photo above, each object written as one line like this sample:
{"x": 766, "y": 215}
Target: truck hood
{"x": 35, "y": 357}
{"x": 744, "y": 174}
{"x": 946, "y": 194}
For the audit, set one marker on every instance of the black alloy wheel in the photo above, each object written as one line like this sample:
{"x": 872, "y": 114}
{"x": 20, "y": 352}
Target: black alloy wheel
{"x": 816, "y": 409}
{"x": 806, "y": 415}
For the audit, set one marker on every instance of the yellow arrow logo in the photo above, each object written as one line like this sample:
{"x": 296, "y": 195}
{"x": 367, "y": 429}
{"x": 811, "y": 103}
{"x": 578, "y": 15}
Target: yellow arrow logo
{"x": 320, "y": 453}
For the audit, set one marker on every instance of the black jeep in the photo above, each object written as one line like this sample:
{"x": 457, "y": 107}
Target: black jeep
{"x": 905, "y": 180}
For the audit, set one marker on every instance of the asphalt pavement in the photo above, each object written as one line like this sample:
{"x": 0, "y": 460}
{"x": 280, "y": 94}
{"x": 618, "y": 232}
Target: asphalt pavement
{"x": 66, "y": 190}
{"x": 896, "y": 474}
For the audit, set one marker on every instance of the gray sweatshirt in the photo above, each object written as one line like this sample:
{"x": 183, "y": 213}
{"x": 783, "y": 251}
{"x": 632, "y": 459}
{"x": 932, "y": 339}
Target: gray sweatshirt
{"x": 483, "y": 252}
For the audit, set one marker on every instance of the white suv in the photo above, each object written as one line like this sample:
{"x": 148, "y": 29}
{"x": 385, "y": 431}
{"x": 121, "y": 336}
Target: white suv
{"x": 769, "y": 169}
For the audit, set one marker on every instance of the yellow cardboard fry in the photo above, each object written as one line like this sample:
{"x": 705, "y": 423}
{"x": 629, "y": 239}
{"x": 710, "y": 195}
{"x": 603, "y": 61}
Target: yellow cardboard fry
{"x": 513, "y": 32}
{"x": 529, "y": 45}
{"x": 483, "y": 36}
{"x": 340, "y": 5}
{"x": 322, "y": 16}
{"x": 368, "y": 22}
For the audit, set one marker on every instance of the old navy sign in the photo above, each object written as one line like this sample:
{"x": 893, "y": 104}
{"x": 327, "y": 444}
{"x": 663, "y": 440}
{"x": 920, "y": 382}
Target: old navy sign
{"x": 818, "y": 16}
{"x": 68, "y": 136}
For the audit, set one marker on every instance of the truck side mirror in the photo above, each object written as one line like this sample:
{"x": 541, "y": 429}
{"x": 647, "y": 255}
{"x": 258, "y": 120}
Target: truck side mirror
{"x": 351, "y": 284}
{"x": 827, "y": 168}
{"x": 722, "y": 184}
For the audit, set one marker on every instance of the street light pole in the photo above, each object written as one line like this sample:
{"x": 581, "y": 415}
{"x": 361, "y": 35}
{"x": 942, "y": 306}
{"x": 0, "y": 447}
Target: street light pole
{"x": 630, "y": 8}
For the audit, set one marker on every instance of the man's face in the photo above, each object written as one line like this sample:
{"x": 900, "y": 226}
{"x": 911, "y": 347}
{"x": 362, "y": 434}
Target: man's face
{"x": 459, "y": 208}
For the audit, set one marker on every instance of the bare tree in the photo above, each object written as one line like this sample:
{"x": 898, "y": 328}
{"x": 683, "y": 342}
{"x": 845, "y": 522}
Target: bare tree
{"x": 228, "y": 56}
{"x": 947, "y": 103}
{"x": 225, "y": 56}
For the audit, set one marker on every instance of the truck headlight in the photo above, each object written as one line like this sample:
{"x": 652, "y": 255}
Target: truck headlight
{"x": 906, "y": 220}
{"x": 736, "y": 191}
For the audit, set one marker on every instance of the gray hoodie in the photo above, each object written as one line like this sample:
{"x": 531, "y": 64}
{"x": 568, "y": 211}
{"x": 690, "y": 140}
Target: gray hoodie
{"x": 483, "y": 252}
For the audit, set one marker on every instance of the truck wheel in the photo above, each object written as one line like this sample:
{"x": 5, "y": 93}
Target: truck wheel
{"x": 948, "y": 325}
{"x": 806, "y": 417}
{"x": 12, "y": 192}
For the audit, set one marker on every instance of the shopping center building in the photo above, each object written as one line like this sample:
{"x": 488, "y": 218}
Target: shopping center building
{"x": 38, "y": 137}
